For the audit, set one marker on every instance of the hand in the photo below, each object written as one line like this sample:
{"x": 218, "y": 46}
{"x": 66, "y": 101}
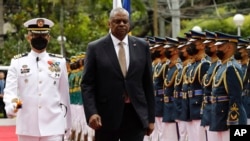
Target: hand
{"x": 150, "y": 129}
{"x": 95, "y": 121}
{"x": 17, "y": 103}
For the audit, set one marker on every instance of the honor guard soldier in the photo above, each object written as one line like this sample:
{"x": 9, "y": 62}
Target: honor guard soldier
{"x": 210, "y": 50}
{"x": 242, "y": 55}
{"x": 158, "y": 87}
{"x": 195, "y": 90}
{"x": 80, "y": 130}
{"x": 227, "y": 108}
{"x": 152, "y": 52}
{"x": 170, "y": 131}
{"x": 37, "y": 89}
{"x": 180, "y": 100}
{"x": 155, "y": 57}
{"x": 72, "y": 94}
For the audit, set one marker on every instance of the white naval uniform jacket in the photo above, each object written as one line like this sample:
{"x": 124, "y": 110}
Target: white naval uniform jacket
{"x": 42, "y": 86}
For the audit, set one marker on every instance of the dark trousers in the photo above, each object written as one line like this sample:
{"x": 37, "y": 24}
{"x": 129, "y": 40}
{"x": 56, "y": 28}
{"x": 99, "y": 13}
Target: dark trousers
{"x": 131, "y": 128}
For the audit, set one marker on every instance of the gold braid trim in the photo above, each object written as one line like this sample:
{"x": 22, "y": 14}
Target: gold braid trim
{"x": 211, "y": 77}
{"x": 220, "y": 80}
{"x": 190, "y": 79}
{"x": 178, "y": 81}
{"x": 238, "y": 76}
{"x": 199, "y": 73}
{"x": 164, "y": 71}
{"x": 158, "y": 73}
{"x": 171, "y": 82}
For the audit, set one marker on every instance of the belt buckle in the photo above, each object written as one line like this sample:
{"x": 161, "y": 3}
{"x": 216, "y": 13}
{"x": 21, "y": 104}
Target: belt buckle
{"x": 190, "y": 93}
{"x": 175, "y": 94}
{"x": 166, "y": 99}
{"x": 213, "y": 99}
{"x": 184, "y": 95}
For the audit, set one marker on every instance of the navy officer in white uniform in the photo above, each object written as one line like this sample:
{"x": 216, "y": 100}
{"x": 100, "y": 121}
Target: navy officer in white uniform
{"x": 37, "y": 90}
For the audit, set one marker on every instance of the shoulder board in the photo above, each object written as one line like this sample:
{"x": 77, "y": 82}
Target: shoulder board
{"x": 20, "y": 55}
{"x": 237, "y": 64}
{"x": 218, "y": 62}
{"x": 229, "y": 63}
{"x": 178, "y": 66}
{"x": 167, "y": 62}
{"x": 204, "y": 60}
{"x": 55, "y": 55}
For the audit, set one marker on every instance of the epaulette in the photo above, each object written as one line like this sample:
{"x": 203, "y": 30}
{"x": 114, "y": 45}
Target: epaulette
{"x": 55, "y": 55}
{"x": 20, "y": 55}
{"x": 218, "y": 62}
{"x": 204, "y": 60}
{"x": 229, "y": 63}
{"x": 178, "y": 66}
{"x": 168, "y": 62}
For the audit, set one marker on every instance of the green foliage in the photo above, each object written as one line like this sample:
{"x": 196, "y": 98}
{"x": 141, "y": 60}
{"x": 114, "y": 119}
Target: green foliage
{"x": 217, "y": 22}
{"x": 87, "y": 20}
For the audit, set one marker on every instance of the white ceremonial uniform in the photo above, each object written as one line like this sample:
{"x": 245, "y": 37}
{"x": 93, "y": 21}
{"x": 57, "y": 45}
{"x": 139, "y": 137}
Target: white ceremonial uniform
{"x": 40, "y": 81}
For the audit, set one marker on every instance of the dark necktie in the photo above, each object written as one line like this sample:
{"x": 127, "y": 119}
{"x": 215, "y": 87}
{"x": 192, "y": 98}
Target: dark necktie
{"x": 122, "y": 58}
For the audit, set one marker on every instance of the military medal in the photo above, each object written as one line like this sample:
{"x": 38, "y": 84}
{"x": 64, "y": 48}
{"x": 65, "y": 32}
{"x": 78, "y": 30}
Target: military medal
{"x": 25, "y": 69}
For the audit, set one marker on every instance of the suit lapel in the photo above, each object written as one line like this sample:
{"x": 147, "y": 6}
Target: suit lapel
{"x": 110, "y": 51}
{"x": 132, "y": 54}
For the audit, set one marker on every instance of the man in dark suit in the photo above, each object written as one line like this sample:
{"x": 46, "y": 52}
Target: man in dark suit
{"x": 118, "y": 94}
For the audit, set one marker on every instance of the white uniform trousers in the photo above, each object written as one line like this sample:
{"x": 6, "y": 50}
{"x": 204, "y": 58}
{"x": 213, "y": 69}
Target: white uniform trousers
{"x": 248, "y": 121}
{"x": 198, "y": 132}
{"x": 147, "y": 138}
{"x": 182, "y": 126}
{"x": 211, "y": 135}
{"x": 44, "y": 138}
{"x": 169, "y": 132}
{"x": 157, "y": 133}
{"x": 220, "y": 135}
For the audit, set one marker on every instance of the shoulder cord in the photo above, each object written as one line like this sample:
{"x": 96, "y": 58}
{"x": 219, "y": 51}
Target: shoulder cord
{"x": 238, "y": 76}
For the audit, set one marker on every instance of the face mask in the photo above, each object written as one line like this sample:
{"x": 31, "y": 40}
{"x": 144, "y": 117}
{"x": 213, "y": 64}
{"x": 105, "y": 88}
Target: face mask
{"x": 182, "y": 57}
{"x": 39, "y": 43}
{"x": 168, "y": 54}
{"x": 208, "y": 51}
{"x": 157, "y": 54}
{"x": 191, "y": 50}
{"x": 153, "y": 56}
{"x": 220, "y": 54}
{"x": 237, "y": 55}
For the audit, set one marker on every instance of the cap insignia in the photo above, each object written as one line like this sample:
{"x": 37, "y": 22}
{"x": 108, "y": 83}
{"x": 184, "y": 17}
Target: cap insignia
{"x": 40, "y": 22}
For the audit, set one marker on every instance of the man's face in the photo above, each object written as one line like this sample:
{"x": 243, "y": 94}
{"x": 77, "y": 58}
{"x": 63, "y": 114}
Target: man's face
{"x": 119, "y": 25}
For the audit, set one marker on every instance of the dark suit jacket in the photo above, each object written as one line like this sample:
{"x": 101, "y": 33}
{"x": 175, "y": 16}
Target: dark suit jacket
{"x": 103, "y": 84}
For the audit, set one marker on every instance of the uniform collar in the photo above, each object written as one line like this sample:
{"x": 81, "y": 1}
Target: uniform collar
{"x": 40, "y": 55}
